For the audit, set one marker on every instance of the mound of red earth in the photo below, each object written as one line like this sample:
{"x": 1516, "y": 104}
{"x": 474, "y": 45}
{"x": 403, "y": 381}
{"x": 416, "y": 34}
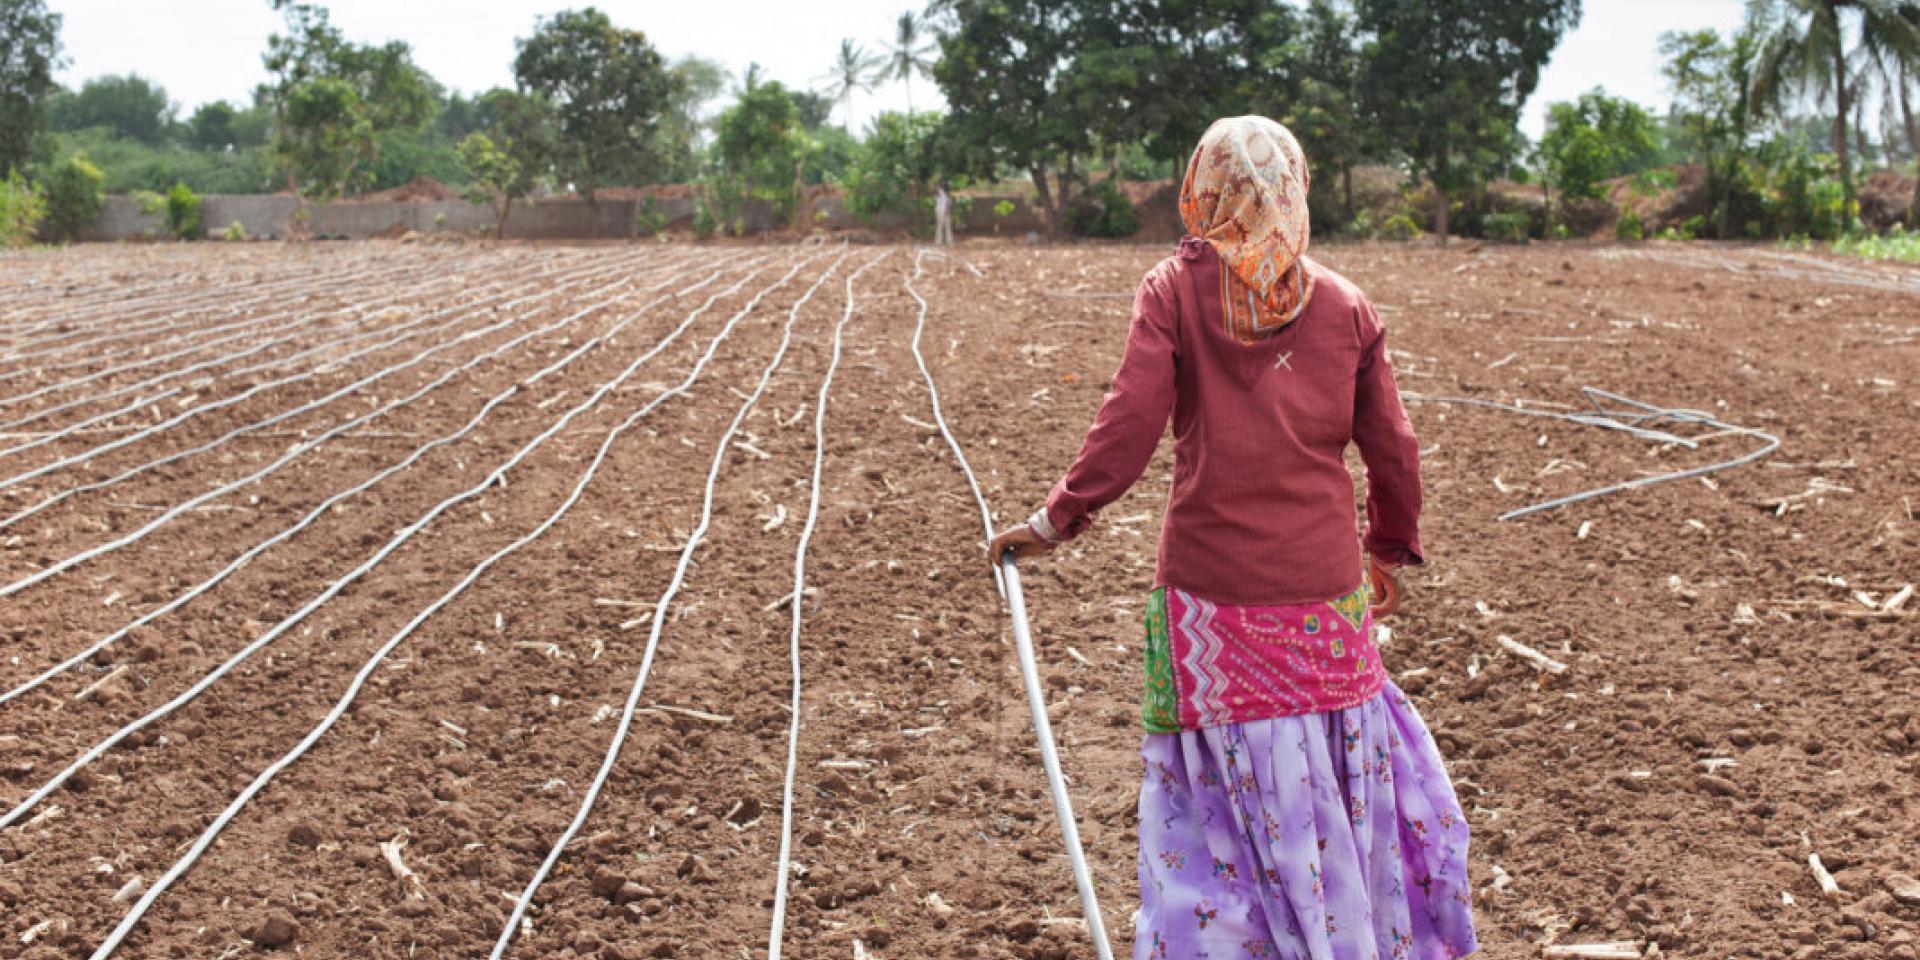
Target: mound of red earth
{"x": 421, "y": 189}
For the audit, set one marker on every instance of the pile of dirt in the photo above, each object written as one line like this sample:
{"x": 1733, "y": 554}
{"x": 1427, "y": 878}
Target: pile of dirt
{"x": 421, "y": 189}
{"x": 1156, "y": 204}
{"x": 1886, "y": 198}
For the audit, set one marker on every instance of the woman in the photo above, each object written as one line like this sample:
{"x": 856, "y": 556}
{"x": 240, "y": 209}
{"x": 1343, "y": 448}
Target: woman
{"x": 1293, "y": 803}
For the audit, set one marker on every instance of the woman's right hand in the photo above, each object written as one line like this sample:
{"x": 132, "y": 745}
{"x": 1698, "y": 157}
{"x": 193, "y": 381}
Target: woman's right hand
{"x": 1020, "y": 540}
{"x": 1388, "y": 588}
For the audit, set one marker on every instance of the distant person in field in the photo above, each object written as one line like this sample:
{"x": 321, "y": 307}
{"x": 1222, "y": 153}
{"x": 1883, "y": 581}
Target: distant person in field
{"x": 942, "y": 217}
{"x": 1293, "y": 803}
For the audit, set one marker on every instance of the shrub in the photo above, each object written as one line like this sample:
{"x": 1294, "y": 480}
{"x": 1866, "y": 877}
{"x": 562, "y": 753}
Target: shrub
{"x": 181, "y": 209}
{"x": 183, "y": 212}
{"x": 1896, "y": 244}
{"x": 704, "y": 223}
{"x": 1106, "y": 213}
{"x": 74, "y": 190}
{"x": 1629, "y": 228}
{"x": 22, "y": 207}
{"x": 649, "y": 220}
{"x": 1507, "y": 227}
{"x": 1401, "y": 226}
{"x": 234, "y": 233}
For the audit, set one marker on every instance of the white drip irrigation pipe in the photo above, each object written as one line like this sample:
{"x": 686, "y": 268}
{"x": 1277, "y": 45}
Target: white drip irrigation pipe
{"x": 353, "y": 311}
{"x": 333, "y": 716}
{"x": 156, "y": 429}
{"x": 525, "y": 900}
{"x": 797, "y": 601}
{"x": 77, "y": 426}
{"x": 169, "y": 323}
{"x": 495, "y": 476}
{"x": 1056, "y": 783}
{"x": 316, "y": 513}
{"x": 175, "y": 373}
{"x": 1009, "y": 578}
{"x": 1615, "y": 412}
{"x": 598, "y": 267}
{"x": 412, "y": 326}
{"x": 292, "y": 453}
{"x": 363, "y": 318}
{"x": 117, "y": 318}
{"x": 106, "y": 307}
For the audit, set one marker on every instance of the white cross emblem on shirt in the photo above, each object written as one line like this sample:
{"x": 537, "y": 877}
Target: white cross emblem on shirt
{"x": 1281, "y": 361}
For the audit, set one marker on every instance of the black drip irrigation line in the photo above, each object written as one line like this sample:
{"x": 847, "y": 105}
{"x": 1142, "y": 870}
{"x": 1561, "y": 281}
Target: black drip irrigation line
{"x": 1612, "y": 411}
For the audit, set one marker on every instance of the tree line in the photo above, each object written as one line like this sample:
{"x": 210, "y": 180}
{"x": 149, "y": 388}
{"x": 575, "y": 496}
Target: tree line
{"x": 1409, "y": 110}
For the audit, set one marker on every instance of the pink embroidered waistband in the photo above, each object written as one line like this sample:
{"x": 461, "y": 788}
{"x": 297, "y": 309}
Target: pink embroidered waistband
{"x": 1212, "y": 664}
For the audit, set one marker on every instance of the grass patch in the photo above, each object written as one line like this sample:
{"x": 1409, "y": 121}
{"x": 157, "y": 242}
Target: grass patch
{"x": 1895, "y": 244}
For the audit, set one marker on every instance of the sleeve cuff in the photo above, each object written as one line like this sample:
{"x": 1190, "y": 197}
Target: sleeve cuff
{"x": 1042, "y": 527}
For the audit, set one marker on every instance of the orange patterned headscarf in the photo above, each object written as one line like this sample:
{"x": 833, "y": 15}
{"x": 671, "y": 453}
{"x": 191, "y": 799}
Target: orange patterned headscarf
{"x": 1246, "y": 194}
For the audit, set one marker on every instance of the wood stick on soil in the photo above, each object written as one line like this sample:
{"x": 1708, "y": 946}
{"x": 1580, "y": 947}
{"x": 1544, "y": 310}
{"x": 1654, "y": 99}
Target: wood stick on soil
{"x": 1828, "y": 887}
{"x": 95, "y": 686}
{"x": 390, "y": 849}
{"x": 1899, "y": 599}
{"x": 686, "y": 712}
{"x": 1540, "y": 660}
{"x": 1610, "y": 950}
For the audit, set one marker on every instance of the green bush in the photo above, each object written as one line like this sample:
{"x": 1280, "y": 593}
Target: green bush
{"x": 1629, "y": 228}
{"x": 236, "y": 232}
{"x": 649, "y": 220}
{"x": 704, "y": 222}
{"x": 1508, "y": 227}
{"x": 1105, "y": 213}
{"x": 1401, "y": 226}
{"x": 22, "y": 207}
{"x": 74, "y": 191}
{"x": 1896, "y": 244}
{"x": 179, "y": 205}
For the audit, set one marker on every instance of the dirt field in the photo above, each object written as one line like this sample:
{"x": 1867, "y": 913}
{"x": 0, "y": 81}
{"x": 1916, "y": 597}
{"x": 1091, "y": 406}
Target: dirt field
{"x": 420, "y": 505}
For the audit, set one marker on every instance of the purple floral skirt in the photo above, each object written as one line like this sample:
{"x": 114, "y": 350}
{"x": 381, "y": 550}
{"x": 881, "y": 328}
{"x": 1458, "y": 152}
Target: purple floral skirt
{"x": 1330, "y": 836}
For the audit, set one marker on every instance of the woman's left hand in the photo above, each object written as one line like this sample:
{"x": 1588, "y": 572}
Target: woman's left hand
{"x": 1388, "y": 588}
{"x": 1020, "y": 540}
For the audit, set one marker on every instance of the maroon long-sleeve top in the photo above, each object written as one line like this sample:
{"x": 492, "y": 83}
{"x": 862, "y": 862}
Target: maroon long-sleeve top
{"x": 1261, "y": 510}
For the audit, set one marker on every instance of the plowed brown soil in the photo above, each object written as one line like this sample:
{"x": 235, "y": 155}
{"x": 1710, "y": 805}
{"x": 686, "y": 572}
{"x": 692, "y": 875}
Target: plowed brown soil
{"x": 1737, "y": 696}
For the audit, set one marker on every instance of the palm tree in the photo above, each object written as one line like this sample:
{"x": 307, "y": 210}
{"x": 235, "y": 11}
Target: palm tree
{"x": 1804, "y": 51}
{"x": 911, "y": 53}
{"x": 854, "y": 69}
{"x": 1894, "y": 59}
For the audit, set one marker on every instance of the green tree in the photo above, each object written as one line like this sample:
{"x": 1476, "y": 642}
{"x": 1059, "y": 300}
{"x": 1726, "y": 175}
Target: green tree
{"x": 609, "y": 89}
{"x": 1803, "y": 51}
{"x": 1158, "y": 74}
{"x": 29, "y": 53}
{"x": 1896, "y": 65}
{"x": 911, "y": 54}
{"x": 891, "y": 170}
{"x": 760, "y": 151}
{"x": 74, "y": 190}
{"x": 681, "y": 125}
{"x": 494, "y": 177}
{"x": 1325, "y": 111}
{"x": 1007, "y": 69}
{"x": 348, "y": 94}
{"x": 1594, "y": 138}
{"x": 131, "y": 106}
{"x": 22, "y": 207}
{"x": 853, "y": 69}
{"x": 212, "y": 126}
{"x": 1448, "y": 77}
{"x": 1712, "y": 115}
{"x": 326, "y": 138}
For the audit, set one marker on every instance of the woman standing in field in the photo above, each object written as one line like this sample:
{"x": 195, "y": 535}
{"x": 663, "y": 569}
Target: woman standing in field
{"x": 1293, "y": 804}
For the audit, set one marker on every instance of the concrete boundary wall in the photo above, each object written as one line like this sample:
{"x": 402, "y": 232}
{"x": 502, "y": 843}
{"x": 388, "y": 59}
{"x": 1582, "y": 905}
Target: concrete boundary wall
{"x": 271, "y": 216}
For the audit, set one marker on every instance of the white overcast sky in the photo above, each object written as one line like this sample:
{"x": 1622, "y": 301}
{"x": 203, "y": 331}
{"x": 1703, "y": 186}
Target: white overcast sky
{"x": 203, "y": 50}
